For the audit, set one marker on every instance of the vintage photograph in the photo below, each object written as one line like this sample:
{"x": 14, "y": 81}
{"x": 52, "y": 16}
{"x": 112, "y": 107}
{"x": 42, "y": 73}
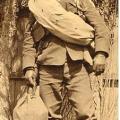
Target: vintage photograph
{"x": 58, "y": 59}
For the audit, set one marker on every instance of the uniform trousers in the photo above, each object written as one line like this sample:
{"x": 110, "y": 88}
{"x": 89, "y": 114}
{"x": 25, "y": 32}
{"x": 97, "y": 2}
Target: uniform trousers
{"x": 77, "y": 82}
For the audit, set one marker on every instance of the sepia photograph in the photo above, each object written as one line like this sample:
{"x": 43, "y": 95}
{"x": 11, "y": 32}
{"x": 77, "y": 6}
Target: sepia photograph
{"x": 59, "y": 60}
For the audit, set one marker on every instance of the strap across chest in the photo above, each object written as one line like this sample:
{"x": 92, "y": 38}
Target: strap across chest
{"x": 73, "y": 6}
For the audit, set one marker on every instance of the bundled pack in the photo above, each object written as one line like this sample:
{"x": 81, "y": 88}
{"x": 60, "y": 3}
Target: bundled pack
{"x": 63, "y": 24}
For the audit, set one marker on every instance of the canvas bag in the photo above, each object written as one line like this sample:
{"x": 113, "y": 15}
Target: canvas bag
{"x": 63, "y": 24}
{"x": 30, "y": 107}
{"x": 66, "y": 25}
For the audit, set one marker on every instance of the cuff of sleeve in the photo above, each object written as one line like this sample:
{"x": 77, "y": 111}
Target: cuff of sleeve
{"x": 28, "y": 68}
{"x": 106, "y": 54}
{"x": 102, "y": 47}
{"x": 28, "y": 62}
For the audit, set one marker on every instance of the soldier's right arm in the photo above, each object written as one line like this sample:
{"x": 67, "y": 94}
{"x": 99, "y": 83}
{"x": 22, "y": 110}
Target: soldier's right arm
{"x": 29, "y": 52}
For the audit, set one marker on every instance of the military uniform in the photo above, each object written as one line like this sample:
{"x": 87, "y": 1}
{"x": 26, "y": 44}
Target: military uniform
{"x": 62, "y": 62}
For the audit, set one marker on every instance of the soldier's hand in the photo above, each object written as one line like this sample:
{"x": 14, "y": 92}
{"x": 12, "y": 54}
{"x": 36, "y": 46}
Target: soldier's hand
{"x": 31, "y": 77}
{"x": 99, "y": 63}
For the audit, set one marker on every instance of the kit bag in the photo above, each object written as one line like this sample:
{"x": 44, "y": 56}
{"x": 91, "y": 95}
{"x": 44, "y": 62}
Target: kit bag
{"x": 30, "y": 106}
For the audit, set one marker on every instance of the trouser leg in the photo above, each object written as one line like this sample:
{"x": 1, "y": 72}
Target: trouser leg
{"x": 79, "y": 90}
{"x": 50, "y": 89}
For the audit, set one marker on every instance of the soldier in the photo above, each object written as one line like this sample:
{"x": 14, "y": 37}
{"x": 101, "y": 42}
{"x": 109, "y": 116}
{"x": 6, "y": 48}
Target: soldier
{"x": 61, "y": 62}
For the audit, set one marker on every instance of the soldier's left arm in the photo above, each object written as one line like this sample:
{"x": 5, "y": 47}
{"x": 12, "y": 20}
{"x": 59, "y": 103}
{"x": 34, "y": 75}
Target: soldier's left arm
{"x": 102, "y": 33}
